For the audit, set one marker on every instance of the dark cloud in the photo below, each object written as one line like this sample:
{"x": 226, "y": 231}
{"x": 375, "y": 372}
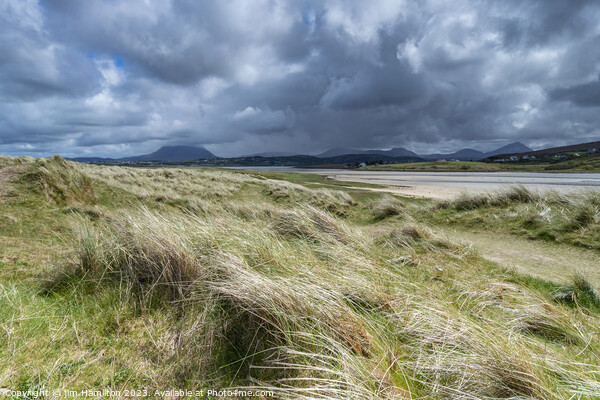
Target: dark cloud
{"x": 372, "y": 87}
{"x": 117, "y": 78}
{"x": 585, "y": 95}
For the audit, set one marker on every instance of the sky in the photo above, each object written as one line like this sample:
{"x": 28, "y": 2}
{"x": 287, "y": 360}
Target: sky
{"x": 118, "y": 78}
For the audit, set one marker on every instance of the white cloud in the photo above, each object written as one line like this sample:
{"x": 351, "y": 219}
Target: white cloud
{"x": 246, "y": 113}
{"x": 410, "y": 52}
{"x": 362, "y": 20}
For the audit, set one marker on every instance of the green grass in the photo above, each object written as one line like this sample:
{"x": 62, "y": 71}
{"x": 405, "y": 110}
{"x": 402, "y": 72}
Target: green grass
{"x": 115, "y": 277}
{"x": 441, "y": 166}
{"x": 586, "y": 163}
{"x": 310, "y": 180}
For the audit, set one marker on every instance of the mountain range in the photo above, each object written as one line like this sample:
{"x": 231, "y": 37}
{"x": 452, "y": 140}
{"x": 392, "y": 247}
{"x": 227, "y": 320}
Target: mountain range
{"x": 395, "y": 152}
{"x": 273, "y": 154}
{"x": 189, "y": 153}
{"x": 463, "y": 155}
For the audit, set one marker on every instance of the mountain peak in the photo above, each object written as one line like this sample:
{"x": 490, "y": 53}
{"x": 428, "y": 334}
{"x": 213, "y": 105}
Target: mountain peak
{"x": 515, "y": 147}
{"x": 174, "y": 153}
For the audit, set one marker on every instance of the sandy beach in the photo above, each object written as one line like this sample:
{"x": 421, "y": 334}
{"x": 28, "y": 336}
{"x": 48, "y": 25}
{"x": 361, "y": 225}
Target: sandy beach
{"x": 444, "y": 185}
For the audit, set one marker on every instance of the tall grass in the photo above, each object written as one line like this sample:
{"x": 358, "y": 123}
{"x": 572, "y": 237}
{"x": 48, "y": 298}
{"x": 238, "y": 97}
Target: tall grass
{"x": 573, "y": 218}
{"x": 61, "y": 181}
{"x": 514, "y": 194}
{"x": 313, "y": 330}
{"x": 387, "y": 206}
{"x": 335, "y": 201}
{"x": 262, "y": 284}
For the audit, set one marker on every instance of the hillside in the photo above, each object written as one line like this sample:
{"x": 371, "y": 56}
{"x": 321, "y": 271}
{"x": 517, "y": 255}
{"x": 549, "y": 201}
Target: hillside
{"x": 545, "y": 161}
{"x": 552, "y": 151}
{"x": 582, "y": 157}
{"x": 150, "y": 278}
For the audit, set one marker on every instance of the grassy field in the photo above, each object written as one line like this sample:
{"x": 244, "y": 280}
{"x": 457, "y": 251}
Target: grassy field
{"x": 442, "y": 166}
{"x": 150, "y": 279}
{"x": 590, "y": 163}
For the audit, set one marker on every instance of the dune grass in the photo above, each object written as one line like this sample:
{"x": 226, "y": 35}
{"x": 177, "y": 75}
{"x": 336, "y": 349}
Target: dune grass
{"x": 201, "y": 278}
{"x": 572, "y": 218}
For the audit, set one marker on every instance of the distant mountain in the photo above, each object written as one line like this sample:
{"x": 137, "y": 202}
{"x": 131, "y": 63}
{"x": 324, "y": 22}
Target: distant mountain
{"x": 395, "y": 152}
{"x": 311, "y": 161}
{"x": 273, "y": 154}
{"x": 164, "y": 154}
{"x": 463, "y": 155}
{"x": 174, "y": 153}
{"x": 339, "y": 151}
{"x": 470, "y": 154}
{"x": 516, "y": 147}
{"x": 580, "y": 147}
{"x": 474, "y": 155}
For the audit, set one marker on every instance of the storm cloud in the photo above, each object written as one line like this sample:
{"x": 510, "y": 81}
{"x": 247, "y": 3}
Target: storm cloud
{"x": 120, "y": 78}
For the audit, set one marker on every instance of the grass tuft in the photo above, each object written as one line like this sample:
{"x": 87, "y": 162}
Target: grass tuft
{"x": 61, "y": 181}
{"x": 387, "y": 206}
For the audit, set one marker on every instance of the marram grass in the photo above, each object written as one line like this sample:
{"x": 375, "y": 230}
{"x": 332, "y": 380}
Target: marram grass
{"x": 187, "y": 278}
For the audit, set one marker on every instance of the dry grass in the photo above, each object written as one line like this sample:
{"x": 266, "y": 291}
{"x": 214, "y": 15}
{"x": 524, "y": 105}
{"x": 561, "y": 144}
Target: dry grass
{"x": 335, "y": 201}
{"x": 572, "y": 218}
{"x": 514, "y": 194}
{"x": 387, "y": 206}
{"x": 235, "y": 281}
{"x": 60, "y": 181}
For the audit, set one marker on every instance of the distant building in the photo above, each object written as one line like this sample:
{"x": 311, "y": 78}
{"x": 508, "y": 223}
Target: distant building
{"x": 362, "y": 164}
{"x": 441, "y": 160}
{"x": 514, "y": 158}
{"x": 592, "y": 151}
